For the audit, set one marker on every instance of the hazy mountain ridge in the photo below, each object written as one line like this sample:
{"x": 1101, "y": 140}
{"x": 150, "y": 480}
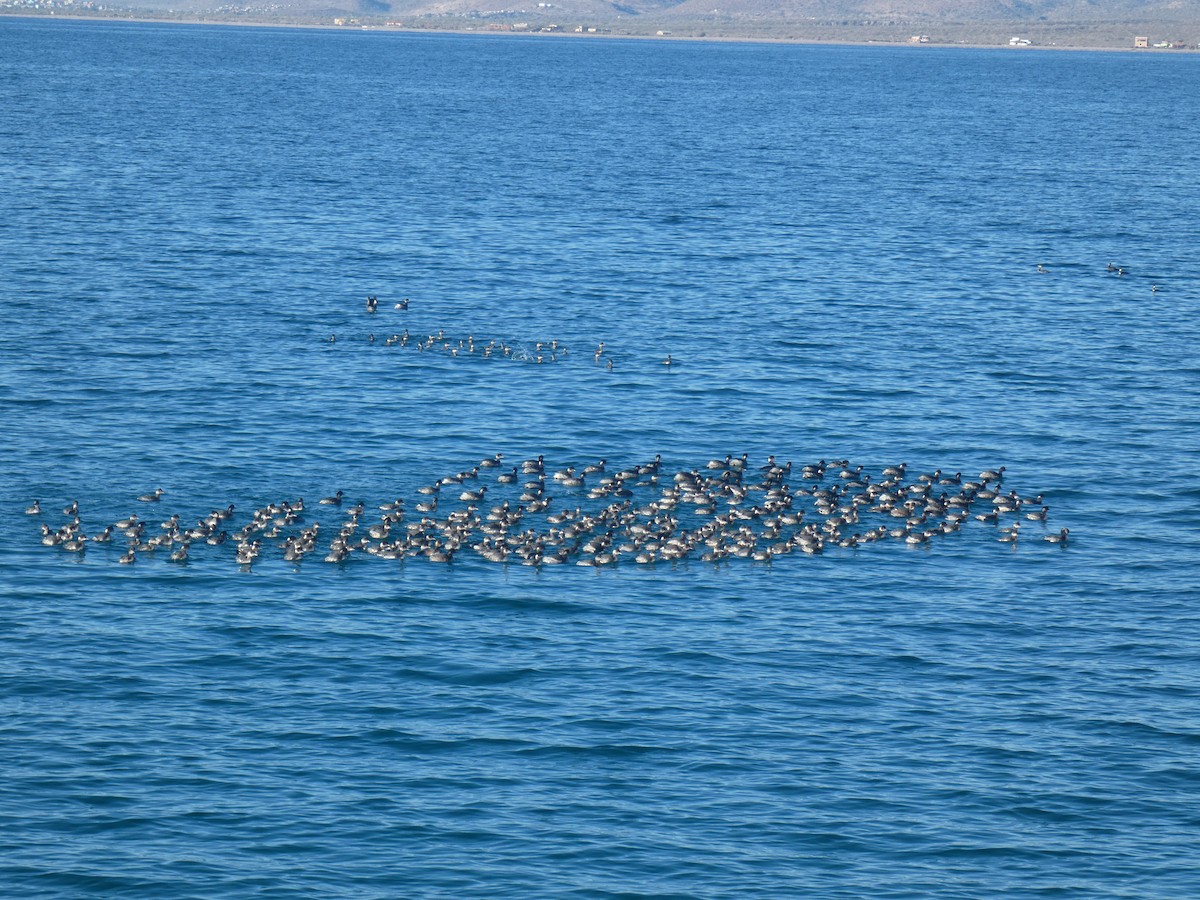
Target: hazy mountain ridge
{"x": 1063, "y": 23}
{"x": 1078, "y": 11}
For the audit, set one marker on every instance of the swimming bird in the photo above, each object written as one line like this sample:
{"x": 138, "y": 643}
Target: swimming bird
{"x": 403, "y": 304}
{"x": 152, "y": 497}
{"x": 372, "y": 304}
{"x": 668, "y": 361}
{"x": 1060, "y": 538}
{"x": 247, "y": 553}
{"x": 335, "y": 500}
{"x": 72, "y": 509}
{"x": 35, "y": 509}
{"x": 441, "y": 554}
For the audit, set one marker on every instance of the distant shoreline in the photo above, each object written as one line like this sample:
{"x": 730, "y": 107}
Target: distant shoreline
{"x": 607, "y": 34}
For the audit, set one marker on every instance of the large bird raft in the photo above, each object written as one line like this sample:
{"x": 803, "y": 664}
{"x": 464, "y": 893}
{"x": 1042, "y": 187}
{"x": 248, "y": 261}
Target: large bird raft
{"x": 589, "y": 515}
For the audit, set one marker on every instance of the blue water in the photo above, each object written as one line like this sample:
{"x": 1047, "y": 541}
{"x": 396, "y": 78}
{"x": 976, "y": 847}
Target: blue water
{"x": 838, "y": 247}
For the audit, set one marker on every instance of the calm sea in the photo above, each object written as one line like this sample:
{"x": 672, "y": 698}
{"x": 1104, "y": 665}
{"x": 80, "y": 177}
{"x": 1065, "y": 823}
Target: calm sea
{"x": 839, "y": 247}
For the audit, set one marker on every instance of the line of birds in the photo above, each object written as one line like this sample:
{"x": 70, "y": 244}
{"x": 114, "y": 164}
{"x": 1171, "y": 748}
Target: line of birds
{"x": 506, "y": 513}
{"x": 543, "y": 351}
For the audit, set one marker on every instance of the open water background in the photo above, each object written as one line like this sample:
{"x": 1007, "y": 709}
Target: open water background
{"x": 838, "y": 245}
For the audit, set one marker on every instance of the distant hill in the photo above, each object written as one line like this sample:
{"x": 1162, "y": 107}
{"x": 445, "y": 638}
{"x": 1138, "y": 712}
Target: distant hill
{"x": 779, "y": 10}
{"x": 782, "y": 10}
{"x": 1038, "y": 22}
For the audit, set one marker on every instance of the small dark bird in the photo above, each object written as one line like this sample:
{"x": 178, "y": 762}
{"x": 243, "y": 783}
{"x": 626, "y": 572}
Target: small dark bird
{"x": 372, "y": 304}
{"x": 1060, "y": 538}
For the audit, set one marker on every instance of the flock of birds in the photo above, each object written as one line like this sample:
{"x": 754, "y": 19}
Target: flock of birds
{"x": 1110, "y": 269}
{"x": 548, "y": 350}
{"x": 594, "y": 515}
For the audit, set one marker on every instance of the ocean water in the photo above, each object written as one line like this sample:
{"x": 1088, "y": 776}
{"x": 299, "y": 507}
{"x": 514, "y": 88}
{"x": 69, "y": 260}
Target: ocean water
{"x": 839, "y": 247}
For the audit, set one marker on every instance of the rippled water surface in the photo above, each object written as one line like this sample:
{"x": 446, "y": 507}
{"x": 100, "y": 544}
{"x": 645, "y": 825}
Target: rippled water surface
{"x": 838, "y": 247}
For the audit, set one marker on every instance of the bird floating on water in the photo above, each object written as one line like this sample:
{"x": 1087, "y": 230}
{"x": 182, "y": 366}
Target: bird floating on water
{"x": 1060, "y": 538}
